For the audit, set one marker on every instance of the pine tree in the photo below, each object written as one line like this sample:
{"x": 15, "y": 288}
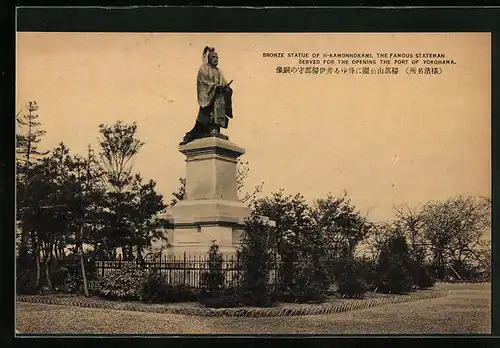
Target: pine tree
{"x": 27, "y": 144}
{"x": 131, "y": 204}
{"x": 28, "y": 135}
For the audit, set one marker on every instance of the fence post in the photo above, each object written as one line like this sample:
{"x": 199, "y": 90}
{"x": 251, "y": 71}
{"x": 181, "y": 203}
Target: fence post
{"x": 102, "y": 268}
{"x": 200, "y": 271}
{"x": 229, "y": 272}
{"x": 184, "y": 267}
{"x": 159, "y": 267}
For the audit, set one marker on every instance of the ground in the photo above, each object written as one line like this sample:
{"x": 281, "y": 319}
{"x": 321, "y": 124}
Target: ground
{"x": 467, "y": 310}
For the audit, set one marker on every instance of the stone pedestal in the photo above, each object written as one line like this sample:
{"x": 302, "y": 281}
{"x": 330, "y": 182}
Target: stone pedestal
{"x": 211, "y": 209}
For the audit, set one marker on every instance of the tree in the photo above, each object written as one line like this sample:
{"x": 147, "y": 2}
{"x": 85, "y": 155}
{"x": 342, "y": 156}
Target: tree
{"x": 291, "y": 215}
{"x": 130, "y": 217}
{"x": 453, "y": 227}
{"x": 130, "y": 204}
{"x": 304, "y": 270}
{"x": 118, "y": 147}
{"x": 409, "y": 221}
{"x": 299, "y": 243}
{"x": 242, "y": 173}
{"x": 375, "y": 239}
{"x": 41, "y": 207}
{"x": 393, "y": 265}
{"x": 311, "y": 239}
{"x": 180, "y": 194}
{"x": 27, "y": 144}
{"x": 30, "y": 195}
{"x": 289, "y": 212}
{"x": 27, "y": 153}
{"x": 148, "y": 203}
{"x": 85, "y": 203}
{"x": 212, "y": 280}
{"x": 342, "y": 225}
{"x": 256, "y": 256}
{"x": 348, "y": 275}
{"x": 343, "y": 228}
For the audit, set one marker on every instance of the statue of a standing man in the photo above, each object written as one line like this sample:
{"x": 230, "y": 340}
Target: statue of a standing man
{"x": 214, "y": 99}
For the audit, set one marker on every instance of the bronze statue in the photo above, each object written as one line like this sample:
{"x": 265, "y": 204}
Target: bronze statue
{"x": 214, "y": 99}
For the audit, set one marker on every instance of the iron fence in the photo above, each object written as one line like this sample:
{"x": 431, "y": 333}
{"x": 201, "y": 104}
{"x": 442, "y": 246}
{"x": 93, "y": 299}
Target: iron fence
{"x": 184, "y": 269}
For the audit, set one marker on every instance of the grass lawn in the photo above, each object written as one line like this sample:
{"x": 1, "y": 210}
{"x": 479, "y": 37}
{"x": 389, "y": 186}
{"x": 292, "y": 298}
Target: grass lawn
{"x": 467, "y": 310}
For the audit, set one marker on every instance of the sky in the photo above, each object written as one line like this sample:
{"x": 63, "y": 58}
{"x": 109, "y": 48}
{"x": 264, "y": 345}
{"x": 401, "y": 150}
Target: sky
{"x": 385, "y": 139}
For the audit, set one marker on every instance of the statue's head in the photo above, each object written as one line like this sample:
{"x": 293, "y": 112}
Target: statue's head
{"x": 210, "y": 56}
{"x": 213, "y": 59}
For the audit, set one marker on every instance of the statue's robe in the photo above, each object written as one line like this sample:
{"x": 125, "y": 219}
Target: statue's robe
{"x": 215, "y": 106}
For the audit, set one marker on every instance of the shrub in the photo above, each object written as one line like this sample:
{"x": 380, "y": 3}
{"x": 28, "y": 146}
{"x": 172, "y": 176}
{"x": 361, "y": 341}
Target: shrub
{"x": 309, "y": 284}
{"x": 228, "y": 297}
{"x": 213, "y": 292}
{"x": 303, "y": 275}
{"x": 90, "y": 268}
{"x": 347, "y": 274}
{"x": 351, "y": 288}
{"x": 126, "y": 283}
{"x": 73, "y": 280}
{"x": 212, "y": 281}
{"x": 26, "y": 274}
{"x": 155, "y": 289}
{"x": 58, "y": 276}
{"x": 158, "y": 292}
{"x": 26, "y": 282}
{"x": 421, "y": 276}
{"x": 466, "y": 271}
{"x": 289, "y": 212}
{"x": 73, "y": 284}
{"x": 255, "y": 256}
{"x": 287, "y": 270}
{"x": 181, "y": 293}
{"x": 368, "y": 274}
{"x": 393, "y": 267}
